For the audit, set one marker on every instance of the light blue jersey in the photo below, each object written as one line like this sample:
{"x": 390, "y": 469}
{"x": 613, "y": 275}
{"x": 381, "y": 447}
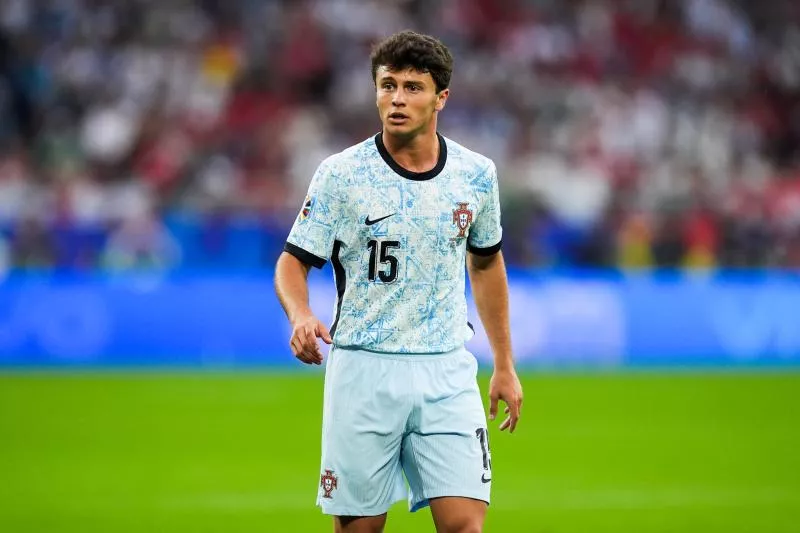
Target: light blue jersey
{"x": 397, "y": 242}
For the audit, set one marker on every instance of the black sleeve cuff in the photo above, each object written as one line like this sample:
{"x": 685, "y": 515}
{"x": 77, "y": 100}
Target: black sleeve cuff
{"x": 491, "y": 250}
{"x": 304, "y": 256}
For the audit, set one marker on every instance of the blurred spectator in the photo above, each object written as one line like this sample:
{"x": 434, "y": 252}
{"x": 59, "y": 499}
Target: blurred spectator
{"x": 5, "y": 257}
{"x": 141, "y": 242}
{"x": 627, "y": 133}
{"x": 32, "y": 245}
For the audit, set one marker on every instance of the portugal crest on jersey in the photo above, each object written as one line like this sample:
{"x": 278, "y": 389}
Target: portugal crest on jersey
{"x": 462, "y": 218}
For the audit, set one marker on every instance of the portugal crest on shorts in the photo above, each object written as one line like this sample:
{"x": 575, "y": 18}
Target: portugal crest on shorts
{"x": 462, "y": 218}
{"x": 328, "y": 482}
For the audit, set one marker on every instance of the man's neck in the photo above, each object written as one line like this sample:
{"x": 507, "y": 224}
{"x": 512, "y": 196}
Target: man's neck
{"x": 417, "y": 154}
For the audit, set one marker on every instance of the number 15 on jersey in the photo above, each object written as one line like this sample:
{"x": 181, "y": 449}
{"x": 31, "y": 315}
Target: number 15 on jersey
{"x": 382, "y": 264}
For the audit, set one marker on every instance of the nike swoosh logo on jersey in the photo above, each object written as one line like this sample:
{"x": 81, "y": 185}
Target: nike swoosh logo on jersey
{"x": 369, "y": 222}
{"x": 484, "y": 480}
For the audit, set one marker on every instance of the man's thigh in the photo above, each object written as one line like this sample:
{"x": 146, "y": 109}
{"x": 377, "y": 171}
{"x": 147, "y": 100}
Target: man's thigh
{"x": 359, "y": 524}
{"x": 461, "y": 515}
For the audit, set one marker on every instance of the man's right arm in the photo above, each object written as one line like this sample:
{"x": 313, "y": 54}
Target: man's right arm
{"x": 291, "y": 286}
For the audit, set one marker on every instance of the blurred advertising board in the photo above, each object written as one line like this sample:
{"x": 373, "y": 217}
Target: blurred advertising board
{"x": 557, "y": 320}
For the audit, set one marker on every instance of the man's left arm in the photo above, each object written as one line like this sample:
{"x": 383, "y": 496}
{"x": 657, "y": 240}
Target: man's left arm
{"x": 489, "y": 283}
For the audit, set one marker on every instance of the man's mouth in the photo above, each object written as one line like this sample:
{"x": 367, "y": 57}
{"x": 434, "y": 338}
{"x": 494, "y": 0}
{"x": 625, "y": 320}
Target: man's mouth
{"x": 398, "y": 117}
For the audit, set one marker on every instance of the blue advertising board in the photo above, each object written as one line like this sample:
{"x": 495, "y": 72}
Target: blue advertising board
{"x": 221, "y": 320}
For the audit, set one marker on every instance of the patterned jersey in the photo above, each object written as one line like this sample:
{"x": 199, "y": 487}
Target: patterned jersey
{"x": 397, "y": 241}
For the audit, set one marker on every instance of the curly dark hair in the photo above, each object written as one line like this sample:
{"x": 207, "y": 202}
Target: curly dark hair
{"x": 409, "y": 49}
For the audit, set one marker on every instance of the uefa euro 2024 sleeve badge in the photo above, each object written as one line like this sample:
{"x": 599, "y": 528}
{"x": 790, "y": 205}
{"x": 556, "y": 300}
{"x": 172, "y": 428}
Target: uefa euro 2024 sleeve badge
{"x": 328, "y": 482}
{"x": 462, "y": 218}
{"x": 308, "y": 205}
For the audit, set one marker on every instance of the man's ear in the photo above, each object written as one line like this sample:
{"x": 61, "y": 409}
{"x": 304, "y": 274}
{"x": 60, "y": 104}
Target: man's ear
{"x": 441, "y": 99}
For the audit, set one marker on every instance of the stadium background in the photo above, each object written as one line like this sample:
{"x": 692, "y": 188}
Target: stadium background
{"x": 154, "y": 154}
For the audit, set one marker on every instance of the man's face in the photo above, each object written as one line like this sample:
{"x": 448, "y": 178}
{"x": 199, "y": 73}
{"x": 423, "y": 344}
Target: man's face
{"x": 407, "y": 100}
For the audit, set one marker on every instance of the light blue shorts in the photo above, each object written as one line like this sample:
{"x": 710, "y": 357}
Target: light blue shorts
{"x": 397, "y": 427}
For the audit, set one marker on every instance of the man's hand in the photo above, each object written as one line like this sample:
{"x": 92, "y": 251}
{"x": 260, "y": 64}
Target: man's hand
{"x": 305, "y": 330}
{"x": 505, "y": 386}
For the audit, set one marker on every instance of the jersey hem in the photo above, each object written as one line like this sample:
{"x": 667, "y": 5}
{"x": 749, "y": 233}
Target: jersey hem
{"x": 399, "y": 355}
{"x": 304, "y": 255}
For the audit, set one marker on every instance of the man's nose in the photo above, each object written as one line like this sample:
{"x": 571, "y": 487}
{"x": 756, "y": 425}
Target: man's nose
{"x": 398, "y": 99}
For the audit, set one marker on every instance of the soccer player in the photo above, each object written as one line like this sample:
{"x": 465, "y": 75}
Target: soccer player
{"x": 399, "y": 215}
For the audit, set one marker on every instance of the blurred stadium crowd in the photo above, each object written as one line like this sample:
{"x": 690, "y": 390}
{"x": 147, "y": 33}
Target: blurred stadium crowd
{"x": 184, "y": 133}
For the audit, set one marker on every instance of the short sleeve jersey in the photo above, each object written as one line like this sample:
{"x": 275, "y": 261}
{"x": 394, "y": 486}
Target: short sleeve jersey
{"x": 397, "y": 241}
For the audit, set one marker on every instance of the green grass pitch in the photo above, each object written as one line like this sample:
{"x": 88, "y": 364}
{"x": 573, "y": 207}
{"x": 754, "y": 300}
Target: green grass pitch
{"x": 193, "y": 452}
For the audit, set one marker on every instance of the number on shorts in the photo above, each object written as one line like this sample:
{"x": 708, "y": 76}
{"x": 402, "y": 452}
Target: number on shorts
{"x": 483, "y": 437}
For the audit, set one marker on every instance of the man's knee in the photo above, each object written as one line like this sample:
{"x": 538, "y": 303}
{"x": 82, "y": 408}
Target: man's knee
{"x": 458, "y": 515}
{"x": 359, "y": 524}
{"x": 461, "y": 525}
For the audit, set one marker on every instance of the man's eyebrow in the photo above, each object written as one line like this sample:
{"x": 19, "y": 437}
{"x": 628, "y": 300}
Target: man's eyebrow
{"x": 405, "y": 82}
{"x": 389, "y": 77}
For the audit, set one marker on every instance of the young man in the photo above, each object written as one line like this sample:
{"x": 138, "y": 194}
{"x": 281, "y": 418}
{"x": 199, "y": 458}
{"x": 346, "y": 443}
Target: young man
{"x": 398, "y": 215}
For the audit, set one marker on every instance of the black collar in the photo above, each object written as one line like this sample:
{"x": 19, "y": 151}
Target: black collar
{"x": 408, "y": 174}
